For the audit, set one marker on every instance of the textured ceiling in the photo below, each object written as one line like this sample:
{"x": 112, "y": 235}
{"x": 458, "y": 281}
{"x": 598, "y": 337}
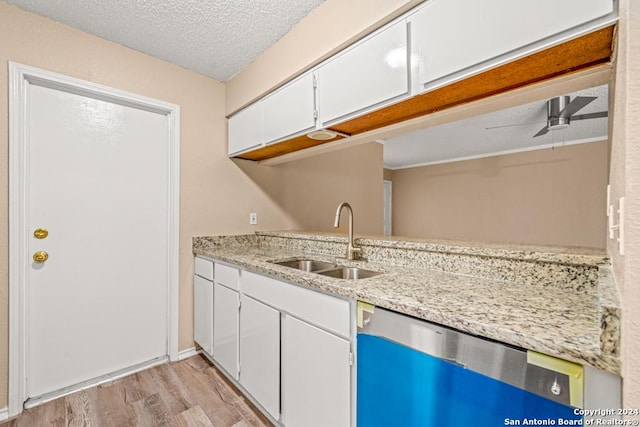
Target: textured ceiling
{"x": 470, "y": 138}
{"x": 217, "y": 38}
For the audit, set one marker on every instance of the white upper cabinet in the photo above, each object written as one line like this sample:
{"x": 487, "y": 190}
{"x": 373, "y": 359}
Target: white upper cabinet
{"x": 437, "y": 43}
{"x": 245, "y": 129}
{"x": 365, "y": 76}
{"x": 450, "y": 36}
{"x": 290, "y": 110}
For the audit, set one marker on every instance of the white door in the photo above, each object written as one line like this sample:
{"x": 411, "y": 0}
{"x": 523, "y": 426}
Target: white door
{"x": 97, "y": 181}
{"x": 260, "y": 353}
{"x": 316, "y": 377}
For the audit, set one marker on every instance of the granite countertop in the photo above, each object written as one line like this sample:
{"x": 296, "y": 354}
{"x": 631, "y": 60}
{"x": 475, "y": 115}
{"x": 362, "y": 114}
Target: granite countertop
{"x": 555, "y": 321}
{"x": 519, "y": 251}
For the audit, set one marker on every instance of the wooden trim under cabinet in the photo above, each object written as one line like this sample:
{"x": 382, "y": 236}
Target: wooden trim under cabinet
{"x": 572, "y": 56}
{"x": 285, "y": 147}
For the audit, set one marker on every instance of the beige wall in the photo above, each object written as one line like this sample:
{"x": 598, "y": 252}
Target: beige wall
{"x": 312, "y": 188}
{"x": 625, "y": 181}
{"x": 548, "y": 197}
{"x": 326, "y": 30}
{"x": 216, "y": 194}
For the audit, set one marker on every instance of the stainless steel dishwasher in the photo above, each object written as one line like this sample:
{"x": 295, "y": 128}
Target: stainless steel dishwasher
{"x": 414, "y": 373}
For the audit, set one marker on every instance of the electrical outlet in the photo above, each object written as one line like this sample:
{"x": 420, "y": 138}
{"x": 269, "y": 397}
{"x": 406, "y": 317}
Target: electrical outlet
{"x": 253, "y": 218}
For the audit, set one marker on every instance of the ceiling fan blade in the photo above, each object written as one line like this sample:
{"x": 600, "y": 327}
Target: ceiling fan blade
{"x": 576, "y": 105}
{"x": 590, "y": 116}
{"x": 516, "y": 124}
{"x": 541, "y": 132}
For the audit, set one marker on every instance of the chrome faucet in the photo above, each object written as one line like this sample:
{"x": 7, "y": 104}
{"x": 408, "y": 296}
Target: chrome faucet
{"x": 352, "y": 250}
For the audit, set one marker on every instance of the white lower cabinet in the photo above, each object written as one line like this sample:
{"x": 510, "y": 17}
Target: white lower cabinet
{"x": 203, "y": 313}
{"x": 226, "y": 304}
{"x": 260, "y": 353}
{"x": 316, "y": 376}
{"x": 286, "y": 346}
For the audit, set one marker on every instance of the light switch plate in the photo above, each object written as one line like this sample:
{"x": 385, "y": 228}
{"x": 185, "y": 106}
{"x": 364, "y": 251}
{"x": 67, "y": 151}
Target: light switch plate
{"x": 621, "y": 206}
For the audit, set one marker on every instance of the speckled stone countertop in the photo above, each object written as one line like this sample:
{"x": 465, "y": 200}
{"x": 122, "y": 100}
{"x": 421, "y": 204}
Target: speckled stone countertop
{"x": 577, "y": 323}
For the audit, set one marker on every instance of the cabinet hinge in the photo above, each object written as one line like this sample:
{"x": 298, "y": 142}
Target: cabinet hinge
{"x": 350, "y": 358}
{"x": 315, "y": 114}
{"x": 239, "y": 304}
{"x": 315, "y": 81}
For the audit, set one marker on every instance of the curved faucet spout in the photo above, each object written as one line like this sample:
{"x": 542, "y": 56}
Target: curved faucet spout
{"x": 352, "y": 249}
{"x": 336, "y": 223}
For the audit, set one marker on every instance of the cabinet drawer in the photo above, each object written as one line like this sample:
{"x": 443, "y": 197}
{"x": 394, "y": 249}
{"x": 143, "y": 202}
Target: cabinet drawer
{"x": 227, "y": 276}
{"x": 323, "y": 310}
{"x": 203, "y": 268}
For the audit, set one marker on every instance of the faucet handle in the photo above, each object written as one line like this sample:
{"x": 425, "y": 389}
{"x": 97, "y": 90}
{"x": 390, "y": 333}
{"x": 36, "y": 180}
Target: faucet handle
{"x": 353, "y": 252}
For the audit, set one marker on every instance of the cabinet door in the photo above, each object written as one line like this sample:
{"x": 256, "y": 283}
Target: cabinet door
{"x": 226, "y": 305}
{"x": 260, "y": 353}
{"x": 448, "y": 36}
{"x": 203, "y": 313}
{"x": 289, "y": 110}
{"x": 365, "y": 76}
{"x": 316, "y": 377}
{"x": 245, "y": 129}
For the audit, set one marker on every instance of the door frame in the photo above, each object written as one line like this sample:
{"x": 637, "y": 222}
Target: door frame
{"x": 20, "y": 77}
{"x": 388, "y": 204}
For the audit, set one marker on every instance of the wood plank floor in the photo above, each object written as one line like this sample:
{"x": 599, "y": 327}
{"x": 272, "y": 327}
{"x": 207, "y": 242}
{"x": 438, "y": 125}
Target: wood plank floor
{"x": 188, "y": 393}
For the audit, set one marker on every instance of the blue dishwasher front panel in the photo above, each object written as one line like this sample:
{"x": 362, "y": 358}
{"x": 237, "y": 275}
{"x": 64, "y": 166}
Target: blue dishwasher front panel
{"x": 399, "y": 386}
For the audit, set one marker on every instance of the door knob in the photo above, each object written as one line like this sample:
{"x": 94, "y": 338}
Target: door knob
{"x": 40, "y": 233}
{"x": 40, "y": 256}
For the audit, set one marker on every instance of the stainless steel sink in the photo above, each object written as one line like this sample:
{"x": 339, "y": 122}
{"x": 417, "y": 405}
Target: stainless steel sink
{"x": 328, "y": 269}
{"x": 349, "y": 273}
{"x": 309, "y": 265}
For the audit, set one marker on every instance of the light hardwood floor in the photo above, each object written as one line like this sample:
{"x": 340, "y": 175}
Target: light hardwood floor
{"x": 191, "y": 392}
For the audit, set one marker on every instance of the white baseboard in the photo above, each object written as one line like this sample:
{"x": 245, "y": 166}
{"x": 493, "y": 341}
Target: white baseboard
{"x": 185, "y": 354}
{"x": 35, "y": 401}
{"x": 4, "y": 414}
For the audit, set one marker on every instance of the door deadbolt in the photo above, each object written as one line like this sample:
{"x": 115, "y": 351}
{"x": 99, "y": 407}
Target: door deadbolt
{"x": 40, "y": 233}
{"x": 40, "y": 256}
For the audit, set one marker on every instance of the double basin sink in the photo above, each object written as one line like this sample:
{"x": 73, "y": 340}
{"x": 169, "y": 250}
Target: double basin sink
{"x": 328, "y": 269}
